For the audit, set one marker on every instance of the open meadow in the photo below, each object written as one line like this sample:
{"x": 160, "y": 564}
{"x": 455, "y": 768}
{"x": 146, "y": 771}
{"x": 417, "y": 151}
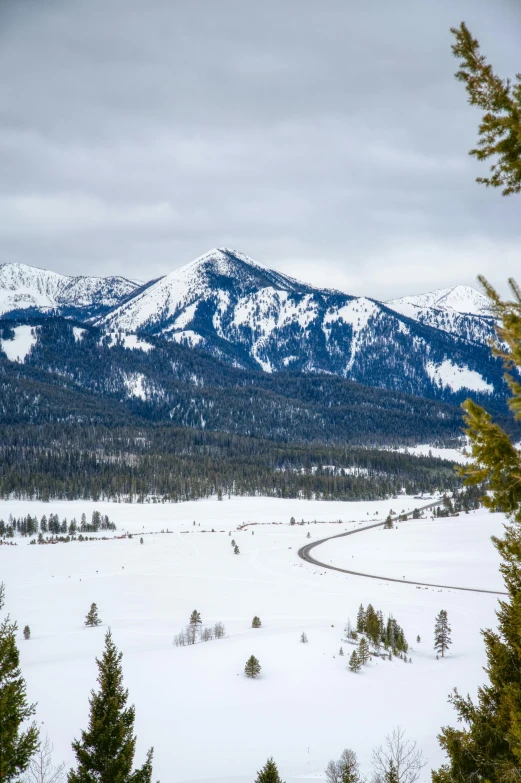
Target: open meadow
{"x": 207, "y": 721}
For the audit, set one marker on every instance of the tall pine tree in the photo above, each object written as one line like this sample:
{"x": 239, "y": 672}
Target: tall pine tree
{"x": 105, "y": 753}
{"x": 16, "y": 746}
{"x": 442, "y": 630}
{"x": 488, "y": 747}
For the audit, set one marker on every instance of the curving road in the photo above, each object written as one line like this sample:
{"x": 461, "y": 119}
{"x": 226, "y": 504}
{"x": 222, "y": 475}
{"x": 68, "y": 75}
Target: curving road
{"x": 304, "y": 554}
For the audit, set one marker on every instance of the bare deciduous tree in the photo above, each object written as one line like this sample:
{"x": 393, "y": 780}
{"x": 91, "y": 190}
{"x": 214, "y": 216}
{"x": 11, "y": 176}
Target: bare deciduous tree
{"x": 345, "y": 770}
{"x": 41, "y": 769}
{"x": 219, "y": 631}
{"x": 398, "y": 759}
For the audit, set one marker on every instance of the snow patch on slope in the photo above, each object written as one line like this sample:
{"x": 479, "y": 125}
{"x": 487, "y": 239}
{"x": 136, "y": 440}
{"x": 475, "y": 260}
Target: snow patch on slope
{"x": 457, "y": 378}
{"x": 130, "y": 341}
{"x": 21, "y": 346}
{"x": 188, "y": 337}
{"x": 135, "y": 384}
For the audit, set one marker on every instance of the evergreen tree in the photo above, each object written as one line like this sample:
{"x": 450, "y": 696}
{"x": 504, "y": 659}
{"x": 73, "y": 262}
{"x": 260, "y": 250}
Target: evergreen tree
{"x": 194, "y": 627}
{"x": 488, "y": 747}
{"x": 372, "y": 624}
{"x": 341, "y": 651}
{"x": 303, "y": 637}
{"x": 355, "y": 663}
{"x": 269, "y": 773}
{"x": 27, "y": 632}
{"x": 363, "y": 650}
{"x": 256, "y": 623}
{"x": 442, "y": 631}
{"x": 418, "y": 638}
{"x": 360, "y": 620}
{"x": 92, "y": 619}
{"x": 236, "y": 550}
{"x": 500, "y": 100}
{"x": 195, "y": 618}
{"x": 252, "y": 668}
{"x": 105, "y": 753}
{"x": 16, "y": 746}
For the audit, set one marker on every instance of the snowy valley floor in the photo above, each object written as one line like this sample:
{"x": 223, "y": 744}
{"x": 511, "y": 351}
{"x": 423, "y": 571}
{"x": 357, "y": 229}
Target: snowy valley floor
{"x": 206, "y": 720}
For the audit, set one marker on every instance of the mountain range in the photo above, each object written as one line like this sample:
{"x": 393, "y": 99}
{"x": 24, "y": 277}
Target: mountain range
{"x": 433, "y": 345}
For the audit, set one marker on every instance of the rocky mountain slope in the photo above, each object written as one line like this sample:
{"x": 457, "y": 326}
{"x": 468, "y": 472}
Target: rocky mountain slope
{"x": 434, "y": 345}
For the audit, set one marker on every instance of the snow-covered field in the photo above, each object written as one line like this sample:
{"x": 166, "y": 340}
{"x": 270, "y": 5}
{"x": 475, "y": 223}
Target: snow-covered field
{"x": 461, "y": 543}
{"x": 206, "y": 720}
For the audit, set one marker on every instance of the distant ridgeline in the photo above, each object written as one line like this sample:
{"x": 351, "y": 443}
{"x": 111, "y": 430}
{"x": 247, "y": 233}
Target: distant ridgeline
{"x": 234, "y": 309}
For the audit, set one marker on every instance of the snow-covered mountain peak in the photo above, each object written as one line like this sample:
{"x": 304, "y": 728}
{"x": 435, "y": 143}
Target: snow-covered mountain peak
{"x": 24, "y": 287}
{"x": 240, "y": 270}
{"x": 460, "y": 299}
{"x": 220, "y": 275}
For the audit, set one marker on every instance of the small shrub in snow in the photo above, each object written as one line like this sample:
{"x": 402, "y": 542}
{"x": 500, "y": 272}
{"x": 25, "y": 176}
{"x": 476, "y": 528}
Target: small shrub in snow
{"x": 92, "y": 619}
{"x": 27, "y": 632}
{"x": 252, "y": 668}
{"x": 256, "y": 623}
{"x": 303, "y": 638}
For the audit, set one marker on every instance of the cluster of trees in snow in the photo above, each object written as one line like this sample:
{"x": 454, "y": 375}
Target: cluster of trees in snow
{"x": 372, "y": 625}
{"x": 196, "y": 632}
{"x": 30, "y": 525}
{"x": 461, "y": 501}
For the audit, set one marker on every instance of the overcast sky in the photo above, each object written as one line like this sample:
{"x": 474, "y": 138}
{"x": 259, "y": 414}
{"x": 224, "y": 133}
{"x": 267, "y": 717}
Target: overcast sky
{"x": 325, "y": 138}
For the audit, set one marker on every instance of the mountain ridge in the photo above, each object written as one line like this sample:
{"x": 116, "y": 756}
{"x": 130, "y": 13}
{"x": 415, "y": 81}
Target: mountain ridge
{"x": 250, "y": 316}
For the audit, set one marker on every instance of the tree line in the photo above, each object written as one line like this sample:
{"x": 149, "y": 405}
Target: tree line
{"x": 31, "y": 526}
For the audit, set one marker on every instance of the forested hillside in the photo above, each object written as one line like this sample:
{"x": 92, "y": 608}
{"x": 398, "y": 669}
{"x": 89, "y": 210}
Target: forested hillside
{"x": 72, "y": 372}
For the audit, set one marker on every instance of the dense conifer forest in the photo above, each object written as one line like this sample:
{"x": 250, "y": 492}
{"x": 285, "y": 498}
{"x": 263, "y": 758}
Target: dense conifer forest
{"x": 67, "y": 460}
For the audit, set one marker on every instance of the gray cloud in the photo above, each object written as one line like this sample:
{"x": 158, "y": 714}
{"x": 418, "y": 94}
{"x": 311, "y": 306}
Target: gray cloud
{"x": 328, "y": 139}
